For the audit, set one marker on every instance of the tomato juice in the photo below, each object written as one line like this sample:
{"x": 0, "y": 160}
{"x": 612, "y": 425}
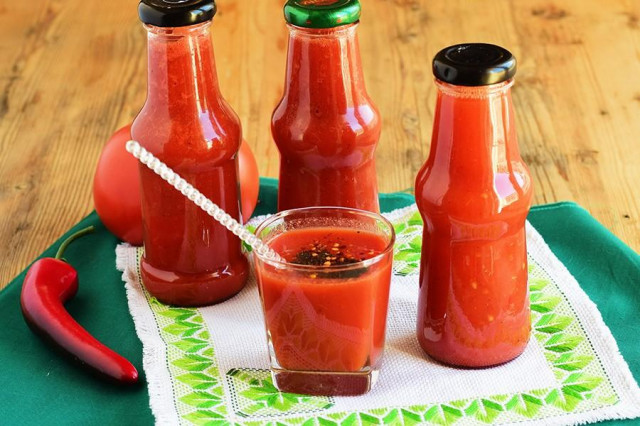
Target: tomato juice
{"x": 327, "y": 321}
{"x": 189, "y": 258}
{"x": 325, "y": 308}
{"x": 326, "y": 127}
{"x": 474, "y": 194}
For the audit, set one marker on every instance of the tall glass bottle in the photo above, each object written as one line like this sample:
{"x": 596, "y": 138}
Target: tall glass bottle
{"x": 474, "y": 193}
{"x": 189, "y": 258}
{"x": 326, "y": 127}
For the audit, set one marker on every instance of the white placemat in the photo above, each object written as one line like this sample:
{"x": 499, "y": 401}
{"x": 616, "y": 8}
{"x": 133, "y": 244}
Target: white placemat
{"x": 210, "y": 365}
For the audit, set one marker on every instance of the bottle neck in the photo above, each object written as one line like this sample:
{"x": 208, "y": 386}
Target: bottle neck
{"x": 474, "y": 149}
{"x": 325, "y": 64}
{"x": 474, "y": 125}
{"x": 181, "y": 68}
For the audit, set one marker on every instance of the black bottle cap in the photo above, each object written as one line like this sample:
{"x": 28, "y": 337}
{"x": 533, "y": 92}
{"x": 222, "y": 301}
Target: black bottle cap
{"x": 176, "y": 13}
{"x": 474, "y": 64}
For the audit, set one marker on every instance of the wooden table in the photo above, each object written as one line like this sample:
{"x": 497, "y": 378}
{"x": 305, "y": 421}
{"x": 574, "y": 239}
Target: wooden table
{"x": 73, "y": 71}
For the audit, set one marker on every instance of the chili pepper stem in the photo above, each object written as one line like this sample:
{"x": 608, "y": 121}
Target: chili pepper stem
{"x": 71, "y": 238}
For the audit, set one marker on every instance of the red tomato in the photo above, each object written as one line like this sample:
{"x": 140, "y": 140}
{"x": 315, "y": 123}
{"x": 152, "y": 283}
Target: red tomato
{"x": 249, "y": 180}
{"x": 116, "y": 190}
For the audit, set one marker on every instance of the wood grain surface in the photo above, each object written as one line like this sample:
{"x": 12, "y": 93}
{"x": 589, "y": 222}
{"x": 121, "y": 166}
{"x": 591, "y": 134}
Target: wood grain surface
{"x": 73, "y": 71}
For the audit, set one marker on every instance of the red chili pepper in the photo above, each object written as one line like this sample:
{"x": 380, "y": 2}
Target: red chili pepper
{"x": 49, "y": 283}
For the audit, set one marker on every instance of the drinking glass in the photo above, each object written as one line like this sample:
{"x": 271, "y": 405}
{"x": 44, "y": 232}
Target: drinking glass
{"x": 325, "y": 308}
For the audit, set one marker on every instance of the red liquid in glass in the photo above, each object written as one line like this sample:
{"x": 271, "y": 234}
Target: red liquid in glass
{"x": 327, "y": 323}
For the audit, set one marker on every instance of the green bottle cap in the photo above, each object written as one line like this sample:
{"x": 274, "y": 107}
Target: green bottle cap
{"x": 322, "y": 13}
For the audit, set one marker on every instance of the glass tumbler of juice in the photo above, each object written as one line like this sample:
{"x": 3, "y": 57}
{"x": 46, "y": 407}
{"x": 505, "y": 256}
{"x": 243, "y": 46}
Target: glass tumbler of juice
{"x": 325, "y": 308}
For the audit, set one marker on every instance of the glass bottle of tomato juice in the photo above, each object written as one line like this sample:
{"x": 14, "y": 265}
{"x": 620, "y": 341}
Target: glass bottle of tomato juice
{"x": 326, "y": 127}
{"x": 474, "y": 193}
{"x": 189, "y": 258}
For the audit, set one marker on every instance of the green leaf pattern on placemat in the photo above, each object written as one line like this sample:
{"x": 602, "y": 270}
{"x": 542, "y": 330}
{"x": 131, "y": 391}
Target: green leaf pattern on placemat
{"x": 256, "y": 396}
{"x": 196, "y": 383}
{"x": 199, "y": 392}
{"x": 406, "y": 256}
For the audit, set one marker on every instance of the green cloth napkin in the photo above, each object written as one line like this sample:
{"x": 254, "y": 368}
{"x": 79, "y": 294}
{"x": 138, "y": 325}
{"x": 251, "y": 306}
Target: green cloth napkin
{"x": 41, "y": 387}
